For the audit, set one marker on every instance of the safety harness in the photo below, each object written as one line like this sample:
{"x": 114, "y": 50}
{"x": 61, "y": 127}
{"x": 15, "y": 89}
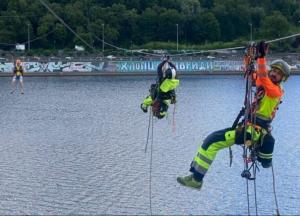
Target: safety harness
{"x": 18, "y": 71}
{"x": 251, "y": 124}
{"x": 159, "y": 96}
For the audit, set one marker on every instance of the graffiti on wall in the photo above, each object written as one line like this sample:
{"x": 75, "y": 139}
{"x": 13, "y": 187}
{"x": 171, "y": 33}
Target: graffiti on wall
{"x": 6, "y": 67}
{"x": 130, "y": 66}
{"x": 228, "y": 66}
{"x": 59, "y": 66}
{"x": 191, "y": 66}
{"x": 122, "y": 66}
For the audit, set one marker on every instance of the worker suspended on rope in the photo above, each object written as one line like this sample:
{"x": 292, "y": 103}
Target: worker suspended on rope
{"x": 162, "y": 93}
{"x": 268, "y": 97}
{"x": 18, "y": 74}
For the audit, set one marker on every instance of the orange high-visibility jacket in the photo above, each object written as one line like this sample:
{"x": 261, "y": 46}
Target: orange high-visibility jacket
{"x": 273, "y": 92}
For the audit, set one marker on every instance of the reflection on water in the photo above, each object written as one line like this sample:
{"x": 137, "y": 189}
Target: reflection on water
{"x": 75, "y": 145}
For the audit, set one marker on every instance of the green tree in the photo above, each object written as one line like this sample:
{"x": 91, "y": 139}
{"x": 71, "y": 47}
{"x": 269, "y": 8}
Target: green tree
{"x": 3, "y": 5}
{"x": 205, "y": 28}
{"x": 86, "y": 36}
{"x": 96, "y": 29}
{"x": 59, "y": 36}
{"x": 147, "y": 26}
{"x": 128, "y": 26}
{"x": 46, "y": 25}
{"x": 226, "y": 26}
{"x": 257, "y": 14}
{"x": 234, "y": 18}
{"x": 167, "y": 25}
{"x": 190, "y": 8}
{"x": 209, "y": 4}
{"x": 296, "y": 17}
{"x": 137, "y": 22}
{"x": 275, "y": 25}
{"x": 74, "y": 15}
{"x": 211, "y": 26}
{"x": 148, "y": 4}
{"x": 286, "y": 7}
{"x": 170, "y": 4}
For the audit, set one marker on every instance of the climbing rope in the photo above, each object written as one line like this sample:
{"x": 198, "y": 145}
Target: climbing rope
{"x": 248, "y": 153}
{"x": 250, "y": 150}
{"x": 174, "y": 120}
{"x": 148, "y": 133}
{"x": 274, "y": 191}
{"x": 150, "y": 136}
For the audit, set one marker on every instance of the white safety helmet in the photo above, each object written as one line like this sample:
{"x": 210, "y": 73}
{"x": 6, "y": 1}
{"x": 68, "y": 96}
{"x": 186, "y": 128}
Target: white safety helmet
{"x": 171, "y": 73}
{"x": 165, "y": 67}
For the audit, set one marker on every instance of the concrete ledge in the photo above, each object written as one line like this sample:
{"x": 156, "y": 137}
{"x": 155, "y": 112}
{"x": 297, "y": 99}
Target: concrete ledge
{"x": 42, "y": 74}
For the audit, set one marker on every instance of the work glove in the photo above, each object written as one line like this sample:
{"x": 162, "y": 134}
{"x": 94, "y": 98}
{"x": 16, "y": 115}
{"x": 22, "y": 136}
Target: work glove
{"x": 262, "y": 49}
{"x": 250, "y": 50}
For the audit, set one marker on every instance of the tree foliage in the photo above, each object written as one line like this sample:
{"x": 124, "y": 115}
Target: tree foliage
{"x": 125, "y": 23}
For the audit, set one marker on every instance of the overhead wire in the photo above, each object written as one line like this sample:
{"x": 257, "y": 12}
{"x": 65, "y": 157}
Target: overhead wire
{"x": 139, "y": 51}
{"x": 124, "y": 49}
{"x": 19, "y": 16}
{"x": 30, "y": 41}
{"x": 148, "y": 53}
{"x": 39, "y": 37}
{"x": 66, "y": 25}
{"x": 199, "y": 51}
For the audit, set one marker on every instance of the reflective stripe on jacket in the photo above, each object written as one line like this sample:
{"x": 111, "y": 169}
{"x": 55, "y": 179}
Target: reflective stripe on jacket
{"x": 267, "y": 106}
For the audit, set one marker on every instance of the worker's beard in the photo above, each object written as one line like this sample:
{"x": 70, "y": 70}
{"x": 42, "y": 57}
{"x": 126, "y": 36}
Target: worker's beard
{"x": 274, "y": 79}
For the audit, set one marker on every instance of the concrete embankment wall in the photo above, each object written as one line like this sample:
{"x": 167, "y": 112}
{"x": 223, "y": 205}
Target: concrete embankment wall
{"x": 37, "y": 74}
{"x": 187, "y": 73}
{"x": 125, "y": 67}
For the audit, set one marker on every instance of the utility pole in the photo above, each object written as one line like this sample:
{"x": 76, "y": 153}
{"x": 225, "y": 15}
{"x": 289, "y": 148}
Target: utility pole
{"x": 28, "y": 36}
{"x": 250, "y": 31}
{"x": 103, "y": 39}
{"x": 177, "y": 36}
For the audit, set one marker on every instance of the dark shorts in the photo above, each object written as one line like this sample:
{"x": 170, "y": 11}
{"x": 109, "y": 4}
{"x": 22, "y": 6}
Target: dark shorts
{"x": 19, "y": 78}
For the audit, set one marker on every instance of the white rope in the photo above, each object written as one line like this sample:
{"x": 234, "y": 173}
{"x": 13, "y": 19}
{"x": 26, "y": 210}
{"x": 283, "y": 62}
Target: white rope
{"x": 200, "y": 51}
{"x": 283, "y": 38}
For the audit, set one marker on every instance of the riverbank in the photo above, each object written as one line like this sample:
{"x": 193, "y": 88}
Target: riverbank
{"x": 41, "y": 74}
{"x": 57, "y": 74}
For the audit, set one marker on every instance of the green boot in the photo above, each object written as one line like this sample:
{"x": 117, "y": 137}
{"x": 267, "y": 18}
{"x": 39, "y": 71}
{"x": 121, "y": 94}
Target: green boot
{"x": 190, "y": 181}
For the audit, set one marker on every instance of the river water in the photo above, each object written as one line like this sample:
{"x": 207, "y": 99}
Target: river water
{"x": 75, "y": 145}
